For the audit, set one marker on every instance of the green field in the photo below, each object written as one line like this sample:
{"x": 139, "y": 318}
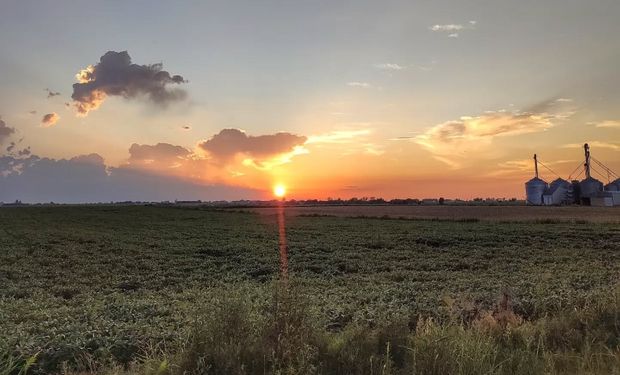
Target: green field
{"x": 106, "y": 282}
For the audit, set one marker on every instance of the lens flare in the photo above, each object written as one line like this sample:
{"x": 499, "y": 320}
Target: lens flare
{"x": 279, "y": 190}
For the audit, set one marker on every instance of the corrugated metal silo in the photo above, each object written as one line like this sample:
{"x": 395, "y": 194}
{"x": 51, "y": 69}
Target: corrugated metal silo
{"x": 534, "y": 190}
{"x": 559, "y": 182}
{"x": 613, "y": 186}
{"x": 559, "y": 192}
{"x": 590, "y": 187}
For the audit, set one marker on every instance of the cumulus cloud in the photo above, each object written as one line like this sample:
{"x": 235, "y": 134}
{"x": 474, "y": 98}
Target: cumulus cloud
{"x": 51, "y": 94}
{"x": 5, "y": 131}
{"x": 359, "y": 84}
{"x": 452, "y": 141}
{"x": 50, "y": 119}
{"x": 116, "y": 75}
{"x": 229, "y": 143}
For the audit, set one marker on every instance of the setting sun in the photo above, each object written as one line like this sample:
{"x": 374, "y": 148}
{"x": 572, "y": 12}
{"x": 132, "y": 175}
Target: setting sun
{"x": 279, "y": 190}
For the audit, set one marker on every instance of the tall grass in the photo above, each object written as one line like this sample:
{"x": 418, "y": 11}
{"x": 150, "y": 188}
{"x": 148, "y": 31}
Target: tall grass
{"x": 238, "y": 335}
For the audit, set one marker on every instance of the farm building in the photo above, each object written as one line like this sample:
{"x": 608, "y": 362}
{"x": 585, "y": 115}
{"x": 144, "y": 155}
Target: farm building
{"x": 588, "y": 191}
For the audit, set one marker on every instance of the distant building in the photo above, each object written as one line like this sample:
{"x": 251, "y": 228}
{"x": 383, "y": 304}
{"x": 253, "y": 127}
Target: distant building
{"x": 589, "y": 191}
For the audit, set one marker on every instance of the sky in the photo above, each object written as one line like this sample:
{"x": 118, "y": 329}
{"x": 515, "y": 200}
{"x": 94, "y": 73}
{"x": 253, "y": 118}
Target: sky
{"x": 159, "y": 100}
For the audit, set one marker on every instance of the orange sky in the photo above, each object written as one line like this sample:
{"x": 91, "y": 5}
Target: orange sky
{"x": 395, "y": 99}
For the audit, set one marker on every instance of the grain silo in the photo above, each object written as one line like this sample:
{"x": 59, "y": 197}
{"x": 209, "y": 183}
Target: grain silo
{"x": 590, "y": 186}
{"x": 613, "y": 186}
{"x": 559, "y": 192}
{"x": 535, "y": 188}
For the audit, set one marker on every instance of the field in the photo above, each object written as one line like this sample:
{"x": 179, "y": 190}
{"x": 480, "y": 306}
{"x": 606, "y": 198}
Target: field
{"x": 110, "y": 288}
{"x": 481, "y": 212}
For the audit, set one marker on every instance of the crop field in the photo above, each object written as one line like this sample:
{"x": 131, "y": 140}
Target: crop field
{"x": 447, "y": 212}
{"x": 102, "y": 283}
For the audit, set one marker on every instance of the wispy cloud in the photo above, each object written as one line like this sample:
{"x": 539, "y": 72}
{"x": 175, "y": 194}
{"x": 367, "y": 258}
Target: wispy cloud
{"x": 51, "y": 94}
{"x": 447, "y": 27}
{"x": 607, "y": 124}
{"x": 389, "y": 66}
{"x": 5, "y": 131}
{"x": 359, "y": 84}
{"x": 465, "y": 139}
{"x": 338, "y": 136}
{"x": 594, "y": 144}
{"x": 452, "y": 29}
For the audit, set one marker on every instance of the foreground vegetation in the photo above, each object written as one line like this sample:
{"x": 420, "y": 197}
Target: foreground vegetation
{"x": 171, "y": 291}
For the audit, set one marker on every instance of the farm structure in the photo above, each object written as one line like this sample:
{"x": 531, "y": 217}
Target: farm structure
{"x": 588, "y": 191}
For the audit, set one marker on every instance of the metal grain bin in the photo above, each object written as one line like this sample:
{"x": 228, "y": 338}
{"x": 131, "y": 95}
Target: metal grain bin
{"x": 613, "y": 186}
{"x": 590, "y": 187}
{"x": 534, "y": 190}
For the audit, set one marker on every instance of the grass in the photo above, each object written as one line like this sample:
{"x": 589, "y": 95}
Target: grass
{"x": 167, "y": 290}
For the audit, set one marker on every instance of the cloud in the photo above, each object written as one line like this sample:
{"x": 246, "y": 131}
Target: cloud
{"x": 33, "y": 112}
{"x": 163, "y": 154}
{"x": 594, "y": 144}
{"x": 448, "y": 27}
{"x": 523, "y": 167}
{"x": 338, "y": 136}
{"x": 453, "y": 142}
{"x": 50, "y": 119}
{"x": 359, "y": 84}
{"x": 5, "y": 131}
{"x": 86, "y": 178}
{"x": 115, "y": 75}
{"x": 453, "y": 30}
{"x": 186, "y": 127}
{"x": 608, "y": 124}
{"x": 230, "y": 143}
{"x": 51, "y": 94}
{"x": 389, "y": 66}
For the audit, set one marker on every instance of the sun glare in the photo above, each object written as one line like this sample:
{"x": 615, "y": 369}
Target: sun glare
{"x": 279, "y": 190}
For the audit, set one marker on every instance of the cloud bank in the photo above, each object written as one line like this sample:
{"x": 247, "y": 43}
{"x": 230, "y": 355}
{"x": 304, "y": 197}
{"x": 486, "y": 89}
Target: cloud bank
{"x": 116, "y": 75}
{"x": 87, "y": 178}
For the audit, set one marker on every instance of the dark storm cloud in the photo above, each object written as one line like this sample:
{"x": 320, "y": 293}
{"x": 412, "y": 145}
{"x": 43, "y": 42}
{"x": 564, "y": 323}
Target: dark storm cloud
{"x": 115, "y": 75}
{"x": 5, "y": 131}
{"x": 225, "y": 145}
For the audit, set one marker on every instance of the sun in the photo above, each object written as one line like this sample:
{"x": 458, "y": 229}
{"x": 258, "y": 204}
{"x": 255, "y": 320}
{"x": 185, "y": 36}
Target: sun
{"x": 279, "y": 190}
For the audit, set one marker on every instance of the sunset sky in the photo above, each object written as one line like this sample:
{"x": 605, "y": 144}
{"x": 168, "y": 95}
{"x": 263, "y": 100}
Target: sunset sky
{"x": 159, "y": 100}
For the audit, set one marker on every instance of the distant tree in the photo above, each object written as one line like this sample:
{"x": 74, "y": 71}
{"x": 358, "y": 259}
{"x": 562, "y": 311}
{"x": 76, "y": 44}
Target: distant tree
{"x": 441, "y": 200}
